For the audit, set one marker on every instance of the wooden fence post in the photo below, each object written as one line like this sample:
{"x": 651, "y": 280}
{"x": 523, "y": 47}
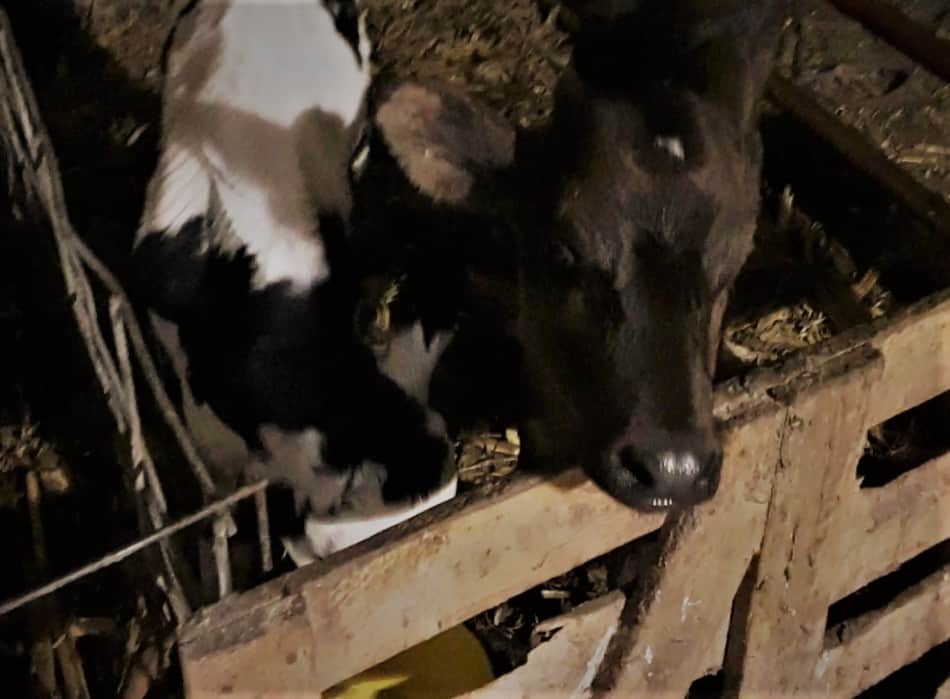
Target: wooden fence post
{"x": 778, "y": 645}
{"x": 681, "y": 626}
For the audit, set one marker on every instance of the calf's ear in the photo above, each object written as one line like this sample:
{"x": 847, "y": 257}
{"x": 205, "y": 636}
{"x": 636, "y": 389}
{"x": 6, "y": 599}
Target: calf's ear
{"x": 447, "y": 144}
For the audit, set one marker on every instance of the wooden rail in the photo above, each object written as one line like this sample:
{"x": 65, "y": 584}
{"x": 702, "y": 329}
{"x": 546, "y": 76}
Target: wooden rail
{"x": 917, "y": 41}
{"x": 792, "y": 442}
{"x": 876, "y": 644}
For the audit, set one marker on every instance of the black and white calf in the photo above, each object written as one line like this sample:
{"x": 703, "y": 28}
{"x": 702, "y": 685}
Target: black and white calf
{"x": 243, "y": 258}
{"x": 635, "y": 212}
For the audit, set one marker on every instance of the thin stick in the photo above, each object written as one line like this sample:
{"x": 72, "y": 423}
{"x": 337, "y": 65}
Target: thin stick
{"x": 42, "y": 651}
{"x": 263, "y": 531}
{"x": 222, "y": 557}
{"x": 165, "y": 403}
{"x": 141, "y": 458}
{"x": 38, "y": 157}
{"x": 71, "y": 669}
{"x": 122, "y": 553}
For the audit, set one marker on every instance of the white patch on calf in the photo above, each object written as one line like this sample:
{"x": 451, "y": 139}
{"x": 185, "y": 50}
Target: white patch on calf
{"x": 179, "y": 191}
{"x": 294, "y": 457}
{"x": 409, "y": 363}
{"x": 244, "y": 79}
{"x": 672, "y": 145}
{"x": 281, "y": 58}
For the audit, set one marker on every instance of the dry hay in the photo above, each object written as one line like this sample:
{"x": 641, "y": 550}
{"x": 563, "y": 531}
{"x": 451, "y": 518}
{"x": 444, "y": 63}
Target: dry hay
{"x": 777, "y": 334}
{"x": 504, "y": 53}
{"x": 487, "y": 458}
{"x": 22, "y": 449}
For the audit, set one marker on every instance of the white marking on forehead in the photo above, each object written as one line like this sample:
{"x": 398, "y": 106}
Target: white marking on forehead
{"x": 672, "y": 145}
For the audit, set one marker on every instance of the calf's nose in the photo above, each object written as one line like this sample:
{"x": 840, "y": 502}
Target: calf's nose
{"x": 660, "y": 478}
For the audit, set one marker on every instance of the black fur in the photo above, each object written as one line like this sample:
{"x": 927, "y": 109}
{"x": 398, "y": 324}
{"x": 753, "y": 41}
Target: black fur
{"x": 346, "y": 15}
{"x": 266, "y": 356}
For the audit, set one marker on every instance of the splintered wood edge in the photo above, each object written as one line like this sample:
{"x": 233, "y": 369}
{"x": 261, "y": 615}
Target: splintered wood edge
{"x": 880, "y": 642}
{"x": 569, "y": 659}
{"x": 478, "y": 551}
{"x": 781, "y": 631}
{"x": 683, "y": 618}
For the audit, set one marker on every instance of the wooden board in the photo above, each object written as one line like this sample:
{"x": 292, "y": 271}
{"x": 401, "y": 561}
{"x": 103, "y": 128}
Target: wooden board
{"x": 400, "y": 589}
{"x": 783, "y": 634}
{"x": 362, "y": 606}
{"x": 680, "y": 633}
{"x": 880, "y": 642}
{"x": 891, "y": 525}
{"x": 916, "y": 349}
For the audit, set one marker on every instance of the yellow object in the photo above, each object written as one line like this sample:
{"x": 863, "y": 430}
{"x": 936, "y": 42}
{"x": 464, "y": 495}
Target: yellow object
{"x": 443, "y": 667}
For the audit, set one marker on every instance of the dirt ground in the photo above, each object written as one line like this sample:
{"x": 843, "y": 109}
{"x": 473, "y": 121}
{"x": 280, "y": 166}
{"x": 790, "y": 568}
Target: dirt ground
{"x": 898, "y": 105}
{"x": 97, "y": 74}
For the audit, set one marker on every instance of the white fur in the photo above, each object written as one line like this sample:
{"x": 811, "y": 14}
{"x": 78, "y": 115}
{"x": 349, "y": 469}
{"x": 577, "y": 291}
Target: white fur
{"x": 672, "y": 145}
{"x": 409, "y": 363}
{"x": 281, "y": 58}
{"x": 271, "y": 63}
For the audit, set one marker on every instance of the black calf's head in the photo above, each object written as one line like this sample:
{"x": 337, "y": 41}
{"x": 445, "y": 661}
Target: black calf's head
{"x": 655, "y": 202}
{"x": 635, "y": 216}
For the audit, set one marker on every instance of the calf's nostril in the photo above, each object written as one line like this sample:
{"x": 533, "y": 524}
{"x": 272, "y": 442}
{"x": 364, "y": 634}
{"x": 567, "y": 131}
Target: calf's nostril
{"x": 630, "y": 461}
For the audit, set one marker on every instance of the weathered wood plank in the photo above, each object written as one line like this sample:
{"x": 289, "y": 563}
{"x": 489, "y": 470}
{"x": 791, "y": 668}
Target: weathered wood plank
{"x": 397, "y": 590}
{"x": 782, "y": 636}
{"x": 916, "y": 349}
{"x": 537, "y": 516}
{"x": 270, "y": 653}
{"x": 873, "y": 646}
{"x": 564, "y": 665}
{"x": 681, "y": 630}
{"x": 914, "y": 341}
{"x": 890, "y": 525}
